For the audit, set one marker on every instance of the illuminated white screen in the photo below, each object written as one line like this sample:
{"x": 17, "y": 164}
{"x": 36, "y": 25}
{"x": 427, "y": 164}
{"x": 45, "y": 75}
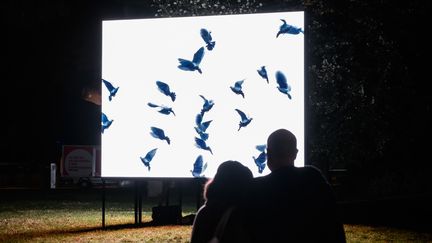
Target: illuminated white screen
{"x": 137, "y": 53}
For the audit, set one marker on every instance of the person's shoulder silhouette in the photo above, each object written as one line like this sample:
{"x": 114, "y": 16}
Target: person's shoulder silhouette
{"x": 292, "y": 204}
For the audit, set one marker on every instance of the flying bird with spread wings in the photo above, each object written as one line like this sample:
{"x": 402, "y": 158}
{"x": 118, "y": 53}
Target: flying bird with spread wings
{"x": 283, "y": 85}
{"x": 193, "y": 65}
{"x": 206, "y": 35}
{"x": 106, "y": 123}
{"x": 208, "y": 104}
{"x": 203, "y": 135}
{"x": 165, "y": 89}
{"x": 262, "y": 157}
{"x": 263, "y": 73}
{"x": 148, "y": 157}
{"x": 199, "y": 167}
{"x": 164, "y": 109}
{"x": 237, "y": 88}
{"x": 111, "y": 89}
{"x": 288, "y": 29}
{"x": 260, "y": 161}
{"x": 202, "y": 126}
{"x": 159, "y": 134}
{"x": 244, "y": 119}
{"x": 261, "y": 147}
{"x": 199, "y": 143}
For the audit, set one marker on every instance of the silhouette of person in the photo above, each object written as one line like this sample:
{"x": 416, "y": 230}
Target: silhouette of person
{"x": 224, "y": 192}
{"x": 291, "y": 204}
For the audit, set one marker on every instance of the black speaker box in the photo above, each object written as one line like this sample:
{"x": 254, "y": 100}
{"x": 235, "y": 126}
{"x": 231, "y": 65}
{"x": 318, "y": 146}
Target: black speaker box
{"x": 167, "y": 214}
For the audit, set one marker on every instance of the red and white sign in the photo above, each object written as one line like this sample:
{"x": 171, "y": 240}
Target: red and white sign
{"x": 80, "y": 161}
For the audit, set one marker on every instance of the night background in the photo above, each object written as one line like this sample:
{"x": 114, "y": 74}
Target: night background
{"x": 367, "y": 73}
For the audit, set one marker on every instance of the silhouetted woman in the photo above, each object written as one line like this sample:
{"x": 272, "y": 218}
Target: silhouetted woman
{"x": 223, "y": 192}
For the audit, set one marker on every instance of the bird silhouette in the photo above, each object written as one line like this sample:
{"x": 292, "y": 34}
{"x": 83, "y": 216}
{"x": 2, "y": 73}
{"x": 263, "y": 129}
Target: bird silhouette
{"x": 244, "y": 119}
{"x": 208, "y": 104}
{"x": 106, "y": 123}
{"x": 111, "y": 89}
{"x": 193, "y": 65}
{"x": 206, "y": 35}
{"x": 283, "y": 87}
{"x": 288, "y": 29}
{"x": 164, "y": 109}
{"x": 149, "y": 156}
{"x": 160, "y": 134}
{"x": 263, "y": 73}
{"x": 204, "y": 136}
{"x": 165, "y": 89}
{"x": 202, "y": 126}
{"x": 199, "y": 167}
{"x": 202, "y": 145}
{"x": 261, "y": 148}
{"x": 260, "y": 161}
{"x": 237, "y": 88}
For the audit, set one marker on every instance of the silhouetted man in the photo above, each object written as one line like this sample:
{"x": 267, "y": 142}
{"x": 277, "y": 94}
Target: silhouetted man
{"x": 291, "y": 204}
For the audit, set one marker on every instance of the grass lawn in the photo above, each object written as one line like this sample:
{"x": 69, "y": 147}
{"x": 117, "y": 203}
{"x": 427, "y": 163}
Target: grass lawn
{"x": 76, "y": 216}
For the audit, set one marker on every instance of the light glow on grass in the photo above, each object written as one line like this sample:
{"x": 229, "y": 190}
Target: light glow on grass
{"x": 75, "y": 216}
{"x": 81, "y": 225}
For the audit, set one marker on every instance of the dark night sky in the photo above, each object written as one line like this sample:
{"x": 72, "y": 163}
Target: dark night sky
{"x": 53, "y": 52}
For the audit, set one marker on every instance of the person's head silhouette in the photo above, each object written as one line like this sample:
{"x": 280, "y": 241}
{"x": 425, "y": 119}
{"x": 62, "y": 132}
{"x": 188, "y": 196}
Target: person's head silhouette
{"x": 230, "y": 181}
{"x": 281, "y": 149}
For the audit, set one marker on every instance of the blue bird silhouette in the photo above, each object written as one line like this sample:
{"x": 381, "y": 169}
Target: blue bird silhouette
{"x": 164, "y": 109}
{"x": 106, "y": 123}
{"x": 263, "y": 73}
{"x": 112, "y": 90}
{"x": 208, "y": 104}
{"x": 288, "y": 29}
{"x": 206, "y": 35}
{"x": 160, "y": 134}
{"x": 149, "y": 156}
{"x": 165, "y": 89}
{"x": 193, "y": 65}
{"x": 204, "y": 136}
{"x": 260, "y": 161}
{"x": 237, "y": 88}
{"x": 244, "y": 119}
{"x": 283, "y": 87}
{"x": 261, "y": 148}
{"x": 202, "y": 126}
{"x": 202, "y": 145}
{"x": 199, "y": 167}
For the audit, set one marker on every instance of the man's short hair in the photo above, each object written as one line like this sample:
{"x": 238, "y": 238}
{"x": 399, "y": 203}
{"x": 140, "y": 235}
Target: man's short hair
{"x": 282, "y": 143}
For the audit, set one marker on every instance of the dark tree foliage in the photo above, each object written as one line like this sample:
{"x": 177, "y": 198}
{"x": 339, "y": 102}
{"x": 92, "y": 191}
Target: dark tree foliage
{"x": 362, "y": 92}
{"x": 368, "y": 111}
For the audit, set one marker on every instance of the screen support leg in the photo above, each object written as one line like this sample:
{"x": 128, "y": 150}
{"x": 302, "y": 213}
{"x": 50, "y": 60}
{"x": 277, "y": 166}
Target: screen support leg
{"x": 136, "y": 202}
{"x": 180, "y": 185}
{"x": 167, "y": 192}
{"x": 103, "y": 203}
{"x": 140, "y": 202}
{"x": 198, "y": 193}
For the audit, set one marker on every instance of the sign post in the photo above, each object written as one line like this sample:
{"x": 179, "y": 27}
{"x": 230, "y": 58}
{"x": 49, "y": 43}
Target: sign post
{"x": 53, "y": 175}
